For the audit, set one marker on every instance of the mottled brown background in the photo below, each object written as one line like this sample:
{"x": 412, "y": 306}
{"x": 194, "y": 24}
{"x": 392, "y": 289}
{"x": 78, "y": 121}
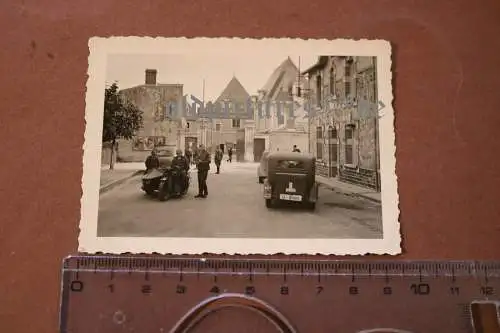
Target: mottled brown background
{"x": 447, "y": 103}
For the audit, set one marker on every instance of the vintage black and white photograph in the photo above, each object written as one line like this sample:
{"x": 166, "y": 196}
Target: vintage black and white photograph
{"x": 239, "y": 146}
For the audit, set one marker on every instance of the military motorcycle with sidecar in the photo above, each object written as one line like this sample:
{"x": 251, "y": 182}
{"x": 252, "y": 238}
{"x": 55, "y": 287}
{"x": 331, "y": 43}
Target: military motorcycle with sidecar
{"x": 163, "y": 182}
{"x": 166, "y": 183}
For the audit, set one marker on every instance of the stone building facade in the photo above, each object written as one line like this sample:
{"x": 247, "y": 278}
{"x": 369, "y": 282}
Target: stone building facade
{"x": 162, "y": 118}
{"x": 342, "y": 94}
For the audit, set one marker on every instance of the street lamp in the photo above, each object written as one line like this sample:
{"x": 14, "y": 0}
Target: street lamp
{"x": 202, "y": 128}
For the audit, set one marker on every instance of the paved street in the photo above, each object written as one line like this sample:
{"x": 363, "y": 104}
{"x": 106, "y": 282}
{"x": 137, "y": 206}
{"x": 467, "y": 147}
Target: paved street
{"x": 234, "y": 208}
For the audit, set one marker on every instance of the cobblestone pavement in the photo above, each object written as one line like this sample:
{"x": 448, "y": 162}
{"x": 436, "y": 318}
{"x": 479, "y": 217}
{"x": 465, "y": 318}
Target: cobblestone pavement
{"x": 234, "y": 208}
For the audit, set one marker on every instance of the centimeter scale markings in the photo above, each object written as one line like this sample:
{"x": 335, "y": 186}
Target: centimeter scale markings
{"x": 151, "y": 294}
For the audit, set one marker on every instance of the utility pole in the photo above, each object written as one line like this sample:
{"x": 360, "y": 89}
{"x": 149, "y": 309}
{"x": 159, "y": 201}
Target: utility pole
{"x": 203, "y": 134}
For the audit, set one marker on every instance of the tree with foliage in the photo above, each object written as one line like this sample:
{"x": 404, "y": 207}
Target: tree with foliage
{"x": 122, "y": 119}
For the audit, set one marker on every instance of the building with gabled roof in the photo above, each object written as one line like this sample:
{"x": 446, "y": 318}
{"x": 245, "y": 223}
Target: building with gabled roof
{"x": 279, "y": 128}
{"x": 282, "y": 79}
{"x": 223, "y": 133}
{"x": 233, "y": 91}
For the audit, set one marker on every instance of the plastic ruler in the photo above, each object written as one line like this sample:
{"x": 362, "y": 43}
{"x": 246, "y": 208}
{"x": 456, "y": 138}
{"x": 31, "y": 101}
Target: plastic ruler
{"x": 115, "y": 294}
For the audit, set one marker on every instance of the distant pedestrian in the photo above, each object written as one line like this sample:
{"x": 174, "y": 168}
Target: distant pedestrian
{"x": 230, "y": 154}
{"x": 203, "y": 166}
{"x": 218, "y": 159}
{"x": 295, "y": 149}
{"x": 152, "y": 161}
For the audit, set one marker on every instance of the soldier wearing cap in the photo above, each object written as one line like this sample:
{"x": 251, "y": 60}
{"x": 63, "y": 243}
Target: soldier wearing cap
{"x": 181, "y": 161}
{"x": 203, "y": 166}
{"x": 152, "y": 161}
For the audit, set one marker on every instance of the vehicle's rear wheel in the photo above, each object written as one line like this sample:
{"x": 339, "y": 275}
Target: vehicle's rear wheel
{"x": 261, "y": 180}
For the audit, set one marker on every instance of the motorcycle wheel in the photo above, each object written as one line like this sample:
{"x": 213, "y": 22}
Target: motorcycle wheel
{"x": 164, "y": 194}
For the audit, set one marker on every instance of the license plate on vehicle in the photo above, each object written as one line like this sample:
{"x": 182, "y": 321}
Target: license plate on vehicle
{"x": 291, "y": 197}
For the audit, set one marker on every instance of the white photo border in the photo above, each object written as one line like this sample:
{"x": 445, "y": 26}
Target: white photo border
{"x": 101, "y": 47}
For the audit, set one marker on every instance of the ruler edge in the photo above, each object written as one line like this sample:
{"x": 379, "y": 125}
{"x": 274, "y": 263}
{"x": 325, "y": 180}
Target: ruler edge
{"x": 65, "y": 276}
{"x": 473, "y": 266}
{"x": 474, "y": 263}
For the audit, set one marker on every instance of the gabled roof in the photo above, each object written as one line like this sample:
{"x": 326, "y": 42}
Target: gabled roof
{"x": 284, "y": 76}
{"x": 322, "y": 61}
{"x": 234, "y": 91}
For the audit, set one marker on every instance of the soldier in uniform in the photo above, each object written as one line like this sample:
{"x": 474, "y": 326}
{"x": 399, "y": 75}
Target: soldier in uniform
{"x": 180, "y": 161}
{"x": 218, "y": 158}
{"x": 203, "y": 166}
{"x": 152, "y": 162}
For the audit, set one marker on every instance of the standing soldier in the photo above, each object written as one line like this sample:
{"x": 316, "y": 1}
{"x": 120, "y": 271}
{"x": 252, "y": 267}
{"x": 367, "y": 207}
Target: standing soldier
{"x": 181, "y": 162}
{"x": 203, "y": 165}
{"x": 218, "y": 158}
{"x": 230, "y": 154}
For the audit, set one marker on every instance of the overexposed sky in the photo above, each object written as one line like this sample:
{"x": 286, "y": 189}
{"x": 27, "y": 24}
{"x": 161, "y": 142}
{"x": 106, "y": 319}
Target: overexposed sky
{"x": 252, "y": 70}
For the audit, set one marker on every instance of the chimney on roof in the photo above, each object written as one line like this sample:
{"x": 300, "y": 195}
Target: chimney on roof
{"x": 151, "y": 76}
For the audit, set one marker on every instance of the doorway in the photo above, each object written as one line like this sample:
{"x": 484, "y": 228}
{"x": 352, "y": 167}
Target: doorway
{"x": 240, "y": 150}
{"x": 221, "y": 146}
{"x": 259, "y": 146}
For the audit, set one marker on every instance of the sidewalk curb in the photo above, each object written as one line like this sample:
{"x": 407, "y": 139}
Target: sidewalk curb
{"x": 349, "y": 192}
{"x": 106, "y": 187}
